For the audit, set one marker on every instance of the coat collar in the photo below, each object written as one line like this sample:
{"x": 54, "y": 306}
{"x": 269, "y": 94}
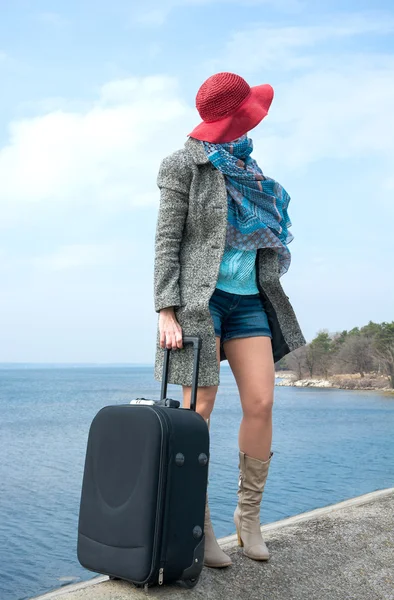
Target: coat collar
{"x": 197, "y": 151}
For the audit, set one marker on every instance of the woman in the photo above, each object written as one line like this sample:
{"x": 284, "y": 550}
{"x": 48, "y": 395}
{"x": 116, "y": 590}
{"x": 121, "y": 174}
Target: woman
{"x": 221, "y": 245}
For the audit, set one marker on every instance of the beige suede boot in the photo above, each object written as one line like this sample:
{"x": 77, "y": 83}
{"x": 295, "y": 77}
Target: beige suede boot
{"x": 213, "y": 554}
{"x": 253, "y": 475}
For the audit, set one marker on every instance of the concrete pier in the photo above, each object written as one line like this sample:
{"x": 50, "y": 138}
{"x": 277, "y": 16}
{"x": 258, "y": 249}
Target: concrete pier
{"x": 341, "y": 552}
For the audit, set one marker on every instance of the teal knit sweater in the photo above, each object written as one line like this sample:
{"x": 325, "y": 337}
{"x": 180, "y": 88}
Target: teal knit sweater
{"x": 237, "y": 271}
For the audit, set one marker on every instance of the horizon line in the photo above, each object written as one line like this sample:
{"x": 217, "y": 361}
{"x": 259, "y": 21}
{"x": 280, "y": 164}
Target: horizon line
{"x": 78, "y": 364}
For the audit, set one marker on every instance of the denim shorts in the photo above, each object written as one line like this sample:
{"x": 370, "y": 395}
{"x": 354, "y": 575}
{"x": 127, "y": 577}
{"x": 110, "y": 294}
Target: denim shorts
{"x": 238, "y": 315}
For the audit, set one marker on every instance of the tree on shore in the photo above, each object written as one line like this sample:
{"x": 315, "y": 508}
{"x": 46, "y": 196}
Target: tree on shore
{"x": 384, "y": 348}
{"x": 364, "y": 350}
{"x": 319, "y": 353}
{"x": 355, "y": 355}
{"x": 310, "y": 358}
{"x": 296, "y": 361}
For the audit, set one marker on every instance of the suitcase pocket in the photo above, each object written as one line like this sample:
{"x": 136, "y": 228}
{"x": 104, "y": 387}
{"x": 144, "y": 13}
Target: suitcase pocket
{"x": 122, "y": 500}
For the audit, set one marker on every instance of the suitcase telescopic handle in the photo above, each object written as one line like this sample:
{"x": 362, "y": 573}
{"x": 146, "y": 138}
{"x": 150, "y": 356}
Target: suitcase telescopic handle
{"x": 187, "y": 340}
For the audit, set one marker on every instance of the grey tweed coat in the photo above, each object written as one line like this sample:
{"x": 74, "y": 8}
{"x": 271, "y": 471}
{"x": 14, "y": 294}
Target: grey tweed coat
{"x": 189, "y": 245}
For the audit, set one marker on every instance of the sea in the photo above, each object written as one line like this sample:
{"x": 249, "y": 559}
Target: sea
{"x": 329, "y": 445}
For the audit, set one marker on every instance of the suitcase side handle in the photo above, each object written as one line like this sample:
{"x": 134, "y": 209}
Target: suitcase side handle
{"x": 187, "y": 340}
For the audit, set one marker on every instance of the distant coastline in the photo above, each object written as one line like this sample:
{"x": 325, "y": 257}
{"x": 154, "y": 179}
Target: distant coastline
{"x": 283, "y": 378}
{"x": 344, "y": 382}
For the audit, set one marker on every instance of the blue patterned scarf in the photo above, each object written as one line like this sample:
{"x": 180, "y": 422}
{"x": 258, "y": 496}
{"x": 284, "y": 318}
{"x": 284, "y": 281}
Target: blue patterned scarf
{"x": 257, "y": 205}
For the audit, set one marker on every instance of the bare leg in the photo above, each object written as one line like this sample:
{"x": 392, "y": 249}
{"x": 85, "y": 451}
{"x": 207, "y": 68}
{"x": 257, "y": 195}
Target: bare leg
{"x": 213, "y": 554}
{"x": 252, "y": 363}
{"x": 206, "y": 395}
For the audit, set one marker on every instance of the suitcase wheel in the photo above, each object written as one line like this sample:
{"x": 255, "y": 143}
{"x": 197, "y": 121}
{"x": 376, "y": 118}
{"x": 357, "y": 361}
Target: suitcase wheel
{"x": 190, "y": 583}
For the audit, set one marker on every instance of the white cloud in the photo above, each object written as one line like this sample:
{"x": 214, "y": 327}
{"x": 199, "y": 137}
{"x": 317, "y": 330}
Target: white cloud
{"x": 106, "y": 155}
{"x": 272, "y": 48}
{"x": 330, "y": 114}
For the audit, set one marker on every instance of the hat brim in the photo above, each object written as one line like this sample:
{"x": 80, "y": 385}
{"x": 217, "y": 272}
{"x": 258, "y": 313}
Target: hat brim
{"x": 251, "y": 112}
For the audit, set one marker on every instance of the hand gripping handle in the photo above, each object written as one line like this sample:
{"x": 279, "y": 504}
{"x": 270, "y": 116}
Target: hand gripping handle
{"x": 196, "y": 342}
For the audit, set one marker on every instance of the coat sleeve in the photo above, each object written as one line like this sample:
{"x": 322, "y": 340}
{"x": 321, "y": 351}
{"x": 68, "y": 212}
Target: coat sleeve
{"x": 174, "y": 181}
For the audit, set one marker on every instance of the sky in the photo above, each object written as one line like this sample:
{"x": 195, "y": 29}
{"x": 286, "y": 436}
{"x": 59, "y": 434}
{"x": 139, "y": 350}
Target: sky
{"x": 95, "y": 94}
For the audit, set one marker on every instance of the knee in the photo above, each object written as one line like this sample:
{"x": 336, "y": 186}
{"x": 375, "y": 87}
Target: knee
{"x": 205, "y": 409}
{"x": 205, "y": 400}
{"x": 259, "y": 407}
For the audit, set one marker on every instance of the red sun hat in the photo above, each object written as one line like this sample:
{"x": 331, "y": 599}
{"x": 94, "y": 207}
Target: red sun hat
{"x": 229, "y": 107}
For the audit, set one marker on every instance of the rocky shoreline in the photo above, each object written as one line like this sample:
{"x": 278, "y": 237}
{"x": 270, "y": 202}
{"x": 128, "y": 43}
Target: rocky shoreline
{"x": 320, "y": 383}
{"x": 343, "y": 382}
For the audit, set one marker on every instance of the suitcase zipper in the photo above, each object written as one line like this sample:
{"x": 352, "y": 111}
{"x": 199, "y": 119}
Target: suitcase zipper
{"x": 165, "y": 525}
{"x": 162, "y": 472}
{"x": 164, "y": 425}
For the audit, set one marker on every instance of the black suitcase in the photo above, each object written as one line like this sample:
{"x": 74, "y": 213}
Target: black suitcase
{"x": 144, "y": 487}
